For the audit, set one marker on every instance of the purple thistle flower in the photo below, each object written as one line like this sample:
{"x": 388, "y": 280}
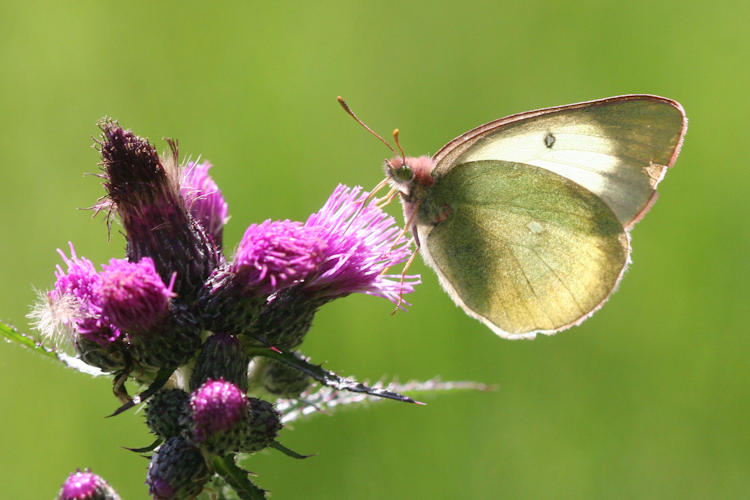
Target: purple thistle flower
{"x": 203, "y": 199}
{"x": 133, "y": 294}
{"x": 86, "y": 486}
{"x": 276, "y": 254}
{"x": 80, "y": 285}
{"x": 358, "y": 241}
{"x": 362, "y": 241}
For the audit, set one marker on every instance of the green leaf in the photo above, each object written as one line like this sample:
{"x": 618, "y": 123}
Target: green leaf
{"x": 237, "y": 478}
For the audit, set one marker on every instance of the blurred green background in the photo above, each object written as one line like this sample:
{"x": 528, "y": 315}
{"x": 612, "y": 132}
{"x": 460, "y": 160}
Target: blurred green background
{"x": 648, "y": 399}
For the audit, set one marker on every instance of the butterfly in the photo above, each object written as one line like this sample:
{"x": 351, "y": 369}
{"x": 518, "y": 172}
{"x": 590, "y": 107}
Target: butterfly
{"x": 526, "y": 220}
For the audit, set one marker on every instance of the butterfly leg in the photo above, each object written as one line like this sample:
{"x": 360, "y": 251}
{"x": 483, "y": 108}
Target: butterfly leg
{"x": 403, "y": 277}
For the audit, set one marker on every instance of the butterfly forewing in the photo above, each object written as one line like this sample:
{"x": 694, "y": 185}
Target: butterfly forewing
{"x": 617, "y": 148}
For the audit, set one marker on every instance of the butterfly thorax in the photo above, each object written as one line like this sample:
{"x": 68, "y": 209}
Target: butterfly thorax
{"x": 413, "y": 178}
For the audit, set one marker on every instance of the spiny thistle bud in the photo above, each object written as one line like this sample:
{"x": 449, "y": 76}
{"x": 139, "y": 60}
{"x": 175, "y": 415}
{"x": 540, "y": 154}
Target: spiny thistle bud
{"x": 272, "y": 256}
{"x": 224, "y": 419}
{"x": 221, "y": 356}
{"x": 86, "y": 486}
{"x": 265, "y": 424}
{"x": 281, "y": 379}
{"x": 170, "y": 343}
{"x": 144, "y": 191}
{"x": 177, "y": 471}
{"x": 203, "y": 199}
{"x": 218, "y": 416}
{"x": 166, "y": 412}
{"x": 287, "y": 318}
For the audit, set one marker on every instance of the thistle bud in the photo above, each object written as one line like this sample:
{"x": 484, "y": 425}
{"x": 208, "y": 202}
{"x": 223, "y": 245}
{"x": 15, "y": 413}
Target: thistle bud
{"x": 177, "y": 471}
{"x": 86, "y": 486}
{"x": 144, "y": 191}
{"x": 221, "y": 356}
{"x": 168, "y": 344}
{"x": 218, "y": 416}
{"x": 265, "y": 424}
{"x": 167, "y": 412}
{"x": 225, "y": 420}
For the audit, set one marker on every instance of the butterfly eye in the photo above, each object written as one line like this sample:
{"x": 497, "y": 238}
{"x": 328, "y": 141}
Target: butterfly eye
{"x": 403, "y": 173}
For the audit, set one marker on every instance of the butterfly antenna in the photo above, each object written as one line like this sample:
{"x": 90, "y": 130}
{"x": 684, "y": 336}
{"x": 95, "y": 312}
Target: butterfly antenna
{"x": 351, "y": 113}
{"x": 398, "y": 144}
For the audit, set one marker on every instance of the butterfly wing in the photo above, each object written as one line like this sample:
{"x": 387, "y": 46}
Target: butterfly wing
{"x": 520, "y": 248}
{"x": 618, "y": 148}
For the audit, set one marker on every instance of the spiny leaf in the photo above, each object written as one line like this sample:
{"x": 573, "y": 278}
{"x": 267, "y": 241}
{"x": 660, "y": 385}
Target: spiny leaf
{"x": 26, "y": 340}
{"x": 145, "y": 449}
{"x": 158, "y": 383}
{"x": 330, "y": 379}
{"x": 325, "y": 398}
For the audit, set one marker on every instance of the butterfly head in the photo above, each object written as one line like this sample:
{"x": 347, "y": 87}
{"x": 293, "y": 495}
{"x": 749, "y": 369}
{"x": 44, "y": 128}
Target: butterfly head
{"x": 410, "y": 175}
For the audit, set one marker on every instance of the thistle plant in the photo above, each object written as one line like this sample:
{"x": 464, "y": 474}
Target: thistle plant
{"x": 212, "y": 339}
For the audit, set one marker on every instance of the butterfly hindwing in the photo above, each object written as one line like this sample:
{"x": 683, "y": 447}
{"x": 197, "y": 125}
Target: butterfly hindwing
{"x": 521, "y": 248}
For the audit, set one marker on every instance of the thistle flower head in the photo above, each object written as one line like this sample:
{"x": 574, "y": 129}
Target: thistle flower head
{"x": 133, "y": 295}
{"x": 276, "y": 254}
{"x": 203, "y": 199}
{"x": 86, "y": 486}
{"x": 144, "y": 191}
{"x": 361, "y": 242}
{"x": 76, "y": 298}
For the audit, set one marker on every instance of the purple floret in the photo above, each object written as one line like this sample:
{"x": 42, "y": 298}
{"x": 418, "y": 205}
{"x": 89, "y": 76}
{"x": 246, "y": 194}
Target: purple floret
{"x": 362, "y": 241}
{"x": 133, "y": 294}
{"x": 203, "y": 199}
{"x": 217, "y": 405}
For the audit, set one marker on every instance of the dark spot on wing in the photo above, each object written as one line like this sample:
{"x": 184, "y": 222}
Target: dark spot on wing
{"x": 549, "y": 140}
